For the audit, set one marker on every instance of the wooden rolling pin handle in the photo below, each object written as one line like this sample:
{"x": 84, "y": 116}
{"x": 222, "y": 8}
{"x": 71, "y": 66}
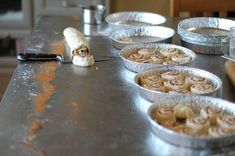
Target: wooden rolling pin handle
{"x": 230, "y": 68}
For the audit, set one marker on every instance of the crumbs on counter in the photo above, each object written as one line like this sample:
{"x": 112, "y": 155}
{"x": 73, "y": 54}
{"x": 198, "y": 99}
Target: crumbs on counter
{"x": 45, "y": 75}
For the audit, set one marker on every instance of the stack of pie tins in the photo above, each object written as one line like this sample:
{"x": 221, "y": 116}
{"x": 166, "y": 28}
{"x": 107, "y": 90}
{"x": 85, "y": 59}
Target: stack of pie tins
{"x": 205, "y": 35}
{"x": 165, "y": 81}
{"x": 141, "y": 57}
{"x": 199, "y": 122}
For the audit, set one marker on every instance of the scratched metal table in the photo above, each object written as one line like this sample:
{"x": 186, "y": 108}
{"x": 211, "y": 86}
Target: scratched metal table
{"x": 53, "y": 109}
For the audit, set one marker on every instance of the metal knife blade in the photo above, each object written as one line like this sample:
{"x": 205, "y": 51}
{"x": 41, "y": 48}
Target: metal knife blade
{"x": 50, "y": 57}
{"x": 42, "y": 57}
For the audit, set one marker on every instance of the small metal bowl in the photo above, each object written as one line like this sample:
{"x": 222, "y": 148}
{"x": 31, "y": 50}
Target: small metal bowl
{"x": 139, "y": 67}
{"x": 187, "y": 140}
{"x": 93, "y": 14}
{"x": 134, "y": 18}
{"x": 148, "y": 34}
{"x": 205, "y": 35}
{"x": 153, "y": 96}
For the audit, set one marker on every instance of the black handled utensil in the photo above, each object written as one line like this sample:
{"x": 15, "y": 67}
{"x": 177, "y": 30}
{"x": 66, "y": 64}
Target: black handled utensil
{"x": 40, "y": 57}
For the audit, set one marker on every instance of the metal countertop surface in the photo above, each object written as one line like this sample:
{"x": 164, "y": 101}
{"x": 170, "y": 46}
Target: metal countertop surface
{"x": 52, "y": 109}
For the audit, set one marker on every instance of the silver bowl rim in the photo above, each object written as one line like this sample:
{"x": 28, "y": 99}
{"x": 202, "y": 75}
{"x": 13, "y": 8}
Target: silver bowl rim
{"x": 113, "y": 33}
{"x": 109, "y": 18}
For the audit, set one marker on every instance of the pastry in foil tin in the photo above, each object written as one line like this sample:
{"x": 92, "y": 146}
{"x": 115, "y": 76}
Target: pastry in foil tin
{"x": 193, "y": 121}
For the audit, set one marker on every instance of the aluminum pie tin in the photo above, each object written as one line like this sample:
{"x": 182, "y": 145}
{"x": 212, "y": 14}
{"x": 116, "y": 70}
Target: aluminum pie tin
{"x": 205, "y": 35}
{"x": 153, "y": 96}
{"x": 136, "y": 35}
{"x": 135, "y": 18}
{"x": 188, "y": 140}
{"x": 139, "y": 67}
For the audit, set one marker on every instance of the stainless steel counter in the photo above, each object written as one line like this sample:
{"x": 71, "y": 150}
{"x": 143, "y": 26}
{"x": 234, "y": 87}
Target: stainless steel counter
{"x": 61, "y": 109}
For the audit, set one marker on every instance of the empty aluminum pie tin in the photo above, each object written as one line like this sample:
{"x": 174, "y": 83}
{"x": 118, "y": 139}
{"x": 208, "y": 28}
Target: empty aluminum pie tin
{"x": 189, "y": 141}
{"x": 138, "y": 67}
{"x": 153, "y": 96}
{"x": 134, "y": 18}
{"x": 205, "y": 35}
{"x": 134, "y": 35}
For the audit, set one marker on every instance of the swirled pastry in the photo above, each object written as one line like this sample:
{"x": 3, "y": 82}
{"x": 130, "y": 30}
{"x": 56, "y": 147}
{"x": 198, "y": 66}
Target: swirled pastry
{"x": 171, "y": 75}
{"x": 192, "y": 79}
{"x": 189, "y": 131}
{"x": 179, "y": 91}
{"x": 201, "y": 88}
{"x": 175, "y": 84}
{"x": 136, "y": 57}
{"x": 218, "y": 131}
{"x": 146, "y": 51}
{"x": 211, "y": 113}
{"x": 183, "y": 112}
{"x": 198, "y": 123}
{"x": 164, "y": 113}
{"x": 150, "y": 79}
{"x": 83, "y": 61}
{"x": 226, "y": 121}
{"x": 76, "y": 41}
{"x": 79, "y": 47}
{"x": 169, "y": 51}
{"x": 155, "y": 86}
{"x": 181, "y": 58}
{"x": 158, "y": 58}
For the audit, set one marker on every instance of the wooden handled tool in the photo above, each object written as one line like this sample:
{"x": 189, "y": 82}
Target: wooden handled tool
{"x": 230, "y": 68}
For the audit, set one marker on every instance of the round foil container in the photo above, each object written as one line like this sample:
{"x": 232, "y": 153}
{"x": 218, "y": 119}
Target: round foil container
{"x": 186, "y": 140}
{"x": 147, "y": 34}
{"x": 205, "y": 35}
{"x": 153, "y": 96}
{"x": 134, "y": 18}
{"x": 139, "y": 67}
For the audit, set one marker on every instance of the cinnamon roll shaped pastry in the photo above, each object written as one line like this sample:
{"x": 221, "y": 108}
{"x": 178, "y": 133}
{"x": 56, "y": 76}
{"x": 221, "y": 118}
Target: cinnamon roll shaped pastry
{"x": 198, "y": 123}
{"x": 79, "y": 47}
{"x": 76, "y": 41}
{"x": 164, "y": 113}
{"x": 84, "y": 61}
{"x": 201, "y": 88}
{"x": 169, "y": 51}
{"x": 218, "y": 131}
{"x": 146, "y": 51}
{"x": 136, "y": 57}
{"x": 226, "y": 121}
{"x": 211, "y": 113}
{"x": 150, "y": 79}
{"x": 181, "y": 58}
{"x": 189, "y": 131}
{"x": 180, "y": 91}
{"x": 157, "y": 86}
{"x": 175, "y": 84}
{"x": 190, "y": 80}
{"x": 183, "y": 112}
{"x": 158, "y": 58}
{"x": 171, "y": 75}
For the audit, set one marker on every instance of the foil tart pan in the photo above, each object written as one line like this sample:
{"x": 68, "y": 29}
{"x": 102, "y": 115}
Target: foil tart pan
{"x": 153, "y": 96}
{"x": 205, "y": 35}
{"x": 189, "y": 141}
{"x": 136, "y": 35}
{"x": 139, "y": 67}
{"x": 134, "y": 19}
